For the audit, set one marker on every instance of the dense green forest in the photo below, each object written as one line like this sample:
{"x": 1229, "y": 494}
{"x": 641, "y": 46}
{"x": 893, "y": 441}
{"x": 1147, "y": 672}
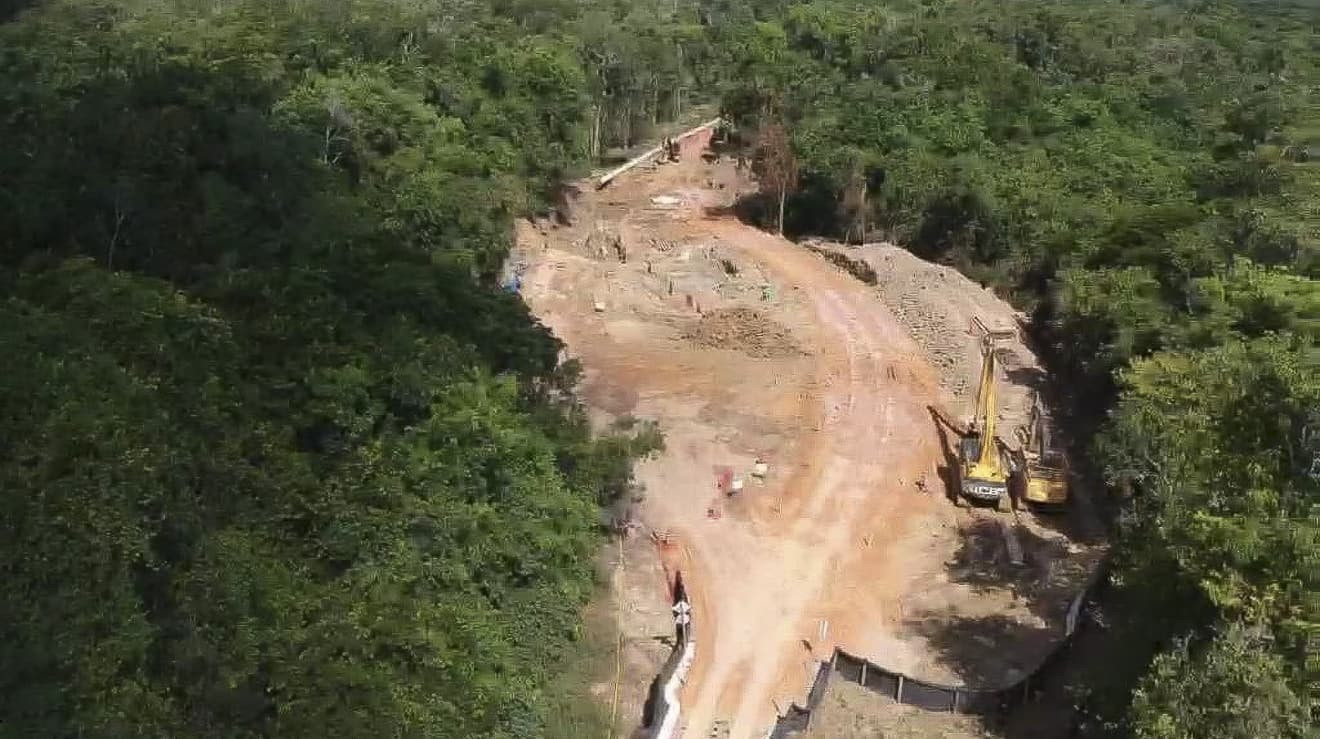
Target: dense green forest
{"x": 279, "y": 458}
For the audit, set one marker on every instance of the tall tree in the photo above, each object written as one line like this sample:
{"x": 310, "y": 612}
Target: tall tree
{"x": 1234, "y": 687}
{"x": 775, "y": 165}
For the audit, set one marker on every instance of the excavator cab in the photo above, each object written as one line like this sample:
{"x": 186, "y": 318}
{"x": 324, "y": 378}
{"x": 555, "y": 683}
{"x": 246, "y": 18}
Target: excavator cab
{"x": 981, "y": 482}
{"x": 969, "y": 447}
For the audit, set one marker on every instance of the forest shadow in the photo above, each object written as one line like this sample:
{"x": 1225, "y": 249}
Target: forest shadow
{"x": 105, "y": 149}
{"x": 1045, "y": 580}
{"x": 1071, "y": 520}
{"x": 1030, "y": 377}
{"x": 564, "y": 201}
{"x": 948, "y": 470}
{"x": 719, "y": 211}
{"x": 753, "y": 209}
{"x": 9, "y": 9}
{"x": 802, "y": 213}
{"x": 985, "y": 652}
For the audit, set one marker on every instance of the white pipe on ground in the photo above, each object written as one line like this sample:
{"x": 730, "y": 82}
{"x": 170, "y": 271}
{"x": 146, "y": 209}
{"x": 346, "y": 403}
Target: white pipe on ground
{"x": 670, "y": 723}
{"x": 649, "y": 153}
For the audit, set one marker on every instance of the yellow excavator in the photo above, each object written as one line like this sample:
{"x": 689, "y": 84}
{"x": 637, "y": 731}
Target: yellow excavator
{"x": 1041, "y": 477}
{"x": 982, "y": 470}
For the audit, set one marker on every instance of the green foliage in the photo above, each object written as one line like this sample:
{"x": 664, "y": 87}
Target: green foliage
{"x": 1038, "y": 139}
{"x": 1233, "y": 687}
{"x": 1222, "y": 443}
{"x": 228, "y": 566}
{"x": 1112, "y": 315}
{"x": 278, "y": 456}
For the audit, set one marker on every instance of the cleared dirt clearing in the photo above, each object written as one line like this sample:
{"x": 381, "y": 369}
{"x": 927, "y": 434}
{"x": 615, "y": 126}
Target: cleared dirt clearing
{"x": 848, "y": 539}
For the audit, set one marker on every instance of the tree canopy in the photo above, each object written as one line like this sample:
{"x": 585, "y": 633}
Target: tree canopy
{"x": 1141, "y": 177}
{"x": 277, "y": 455}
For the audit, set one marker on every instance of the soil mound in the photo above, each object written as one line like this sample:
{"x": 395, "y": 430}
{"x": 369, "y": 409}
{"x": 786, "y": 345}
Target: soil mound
{"x": 936, "y": 304}
{"x": 744, "y": 330}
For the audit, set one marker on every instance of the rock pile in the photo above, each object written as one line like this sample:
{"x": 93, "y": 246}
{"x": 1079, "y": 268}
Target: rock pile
{"x": 744, "y": 330}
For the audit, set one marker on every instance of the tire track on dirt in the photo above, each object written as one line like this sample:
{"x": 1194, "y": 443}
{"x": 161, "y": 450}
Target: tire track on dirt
{"x": 857, "y": 420}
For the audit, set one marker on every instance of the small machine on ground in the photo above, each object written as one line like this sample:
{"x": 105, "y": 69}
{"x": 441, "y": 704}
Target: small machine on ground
{"x": 1042, "y": 471}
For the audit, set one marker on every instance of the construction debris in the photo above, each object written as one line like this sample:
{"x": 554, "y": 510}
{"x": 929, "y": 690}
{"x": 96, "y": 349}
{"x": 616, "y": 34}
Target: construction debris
{"x": 1011, "y": 542}
{"x": 723, "y": 479}
{"x": 649, "y": 154}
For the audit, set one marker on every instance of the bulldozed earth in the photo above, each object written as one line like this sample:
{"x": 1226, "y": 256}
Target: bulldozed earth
{"x": 803, "y": 490}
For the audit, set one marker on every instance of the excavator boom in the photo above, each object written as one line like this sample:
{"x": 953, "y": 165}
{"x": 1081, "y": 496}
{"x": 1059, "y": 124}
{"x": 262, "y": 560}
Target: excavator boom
{"x": 985, "y": 401}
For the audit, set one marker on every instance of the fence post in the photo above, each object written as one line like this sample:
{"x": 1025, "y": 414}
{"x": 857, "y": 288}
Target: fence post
{"x": 863, "y": 680}
{"x": 898, "y": 694}
{"x": 956, "y": 693}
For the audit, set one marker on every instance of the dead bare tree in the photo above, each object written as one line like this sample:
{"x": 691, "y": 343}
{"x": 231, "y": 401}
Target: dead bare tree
{"x": 776, "y": 165}
{"x": 121, "y": 211}
{"x": 120, "y": 216}
{"x": 339, "y": 121}
{"x": 852, "y": 205}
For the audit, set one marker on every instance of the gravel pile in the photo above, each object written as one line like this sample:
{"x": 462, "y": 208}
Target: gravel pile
{"x": 744, "y": 330}
{"x": 937, "y": 304}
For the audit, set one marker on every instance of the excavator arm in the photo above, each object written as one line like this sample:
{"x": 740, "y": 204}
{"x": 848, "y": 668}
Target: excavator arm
{"x": 984, "y": 470}
{"x": 986, "y": 413}
{"x": 943, "y": 416}
{"x": 985, "y": 404}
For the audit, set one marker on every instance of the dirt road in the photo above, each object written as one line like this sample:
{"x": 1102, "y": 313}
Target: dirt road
{"x": 798, "y": 558}
{"x": 746, "y": 347}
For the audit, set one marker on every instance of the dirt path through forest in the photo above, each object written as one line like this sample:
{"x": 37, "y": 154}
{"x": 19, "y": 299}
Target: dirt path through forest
{"x": 746, "y": 347}
{"x": 870, "y": 401}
